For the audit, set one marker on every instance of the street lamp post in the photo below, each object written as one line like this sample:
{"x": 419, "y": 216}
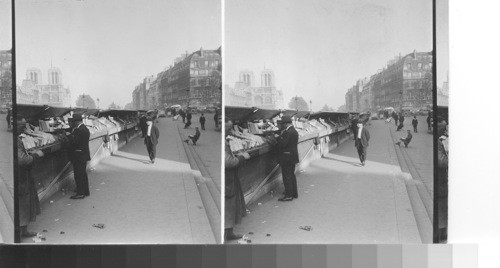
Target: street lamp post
{"x": 310, "y": 106}
{"x": 97, "y": 103}
{"x": 83, "y": 100}
{"x": 296, "y": 105}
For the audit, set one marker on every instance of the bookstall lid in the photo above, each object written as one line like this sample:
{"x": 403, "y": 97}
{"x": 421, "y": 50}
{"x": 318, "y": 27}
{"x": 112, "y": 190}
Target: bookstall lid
{"x": 330, "y": 115}
{"x": 296, "y": 114}
{"x": 237, "y": 113}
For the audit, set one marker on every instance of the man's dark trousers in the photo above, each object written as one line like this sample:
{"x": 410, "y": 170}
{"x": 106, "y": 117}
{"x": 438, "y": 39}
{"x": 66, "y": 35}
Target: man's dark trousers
{"x": 151, "y": 148}
{"x": 361, "y": 153}
{"x": 289, "y": 179}
{"x": 81, "y": 178}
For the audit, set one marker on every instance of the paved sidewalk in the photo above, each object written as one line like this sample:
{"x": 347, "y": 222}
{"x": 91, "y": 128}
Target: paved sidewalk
{"x": 342, "y": 201}
{"x": 208, "y": 147}
{"x": 138, "y": 202}
{"x": 419, "y": 153}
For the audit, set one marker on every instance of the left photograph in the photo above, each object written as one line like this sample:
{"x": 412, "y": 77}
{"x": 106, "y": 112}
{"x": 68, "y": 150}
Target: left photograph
{"x": 118, "y": 122}
{"x": 6, "y": 138}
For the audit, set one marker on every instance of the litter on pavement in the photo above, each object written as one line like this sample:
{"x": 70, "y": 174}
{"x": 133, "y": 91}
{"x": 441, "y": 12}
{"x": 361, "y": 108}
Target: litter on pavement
{"x": 98, "y": 225}
{"x": 244, "y": 240}
{"x": 305, "y": 228}
{"x": 38, "y": 238}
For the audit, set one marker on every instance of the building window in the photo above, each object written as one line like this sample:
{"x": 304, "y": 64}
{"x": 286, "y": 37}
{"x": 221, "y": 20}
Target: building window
{"x": 419, "y": 65}
{"x": 408, "y": 66}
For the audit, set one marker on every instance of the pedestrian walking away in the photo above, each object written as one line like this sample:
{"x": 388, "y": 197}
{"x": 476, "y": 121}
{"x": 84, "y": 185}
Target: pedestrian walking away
{"x": 414, "y": 122}
{"x": 194, "y": 138}
{"x": 202, "y": 121}
{"x": 406, "y": 140}
{"x": 395, "y": 117}
{"x": 183, "y": 115}
{"x": 151, "y": 139}
{"x": 288, "y": 157}
{"x": 362, "y": 137}
{"x": 9, "y": 118}
{"x": 234, "y": 201}
{"x": 429, "y": 116}
{"x": 401, "y": 121}
{"x": 188, "y": 119}
{"x": 79, "y": 155}
{"x": 216, "y": 119}
{"x": 28, "y": 202}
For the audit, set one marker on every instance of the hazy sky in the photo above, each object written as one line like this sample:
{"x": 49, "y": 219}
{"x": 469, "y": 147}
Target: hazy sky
{"x": 318, "y": 49}
{"x": 106, "y": 47}
{"x": 442, "y": 41}
{"x": 5, "y": 25}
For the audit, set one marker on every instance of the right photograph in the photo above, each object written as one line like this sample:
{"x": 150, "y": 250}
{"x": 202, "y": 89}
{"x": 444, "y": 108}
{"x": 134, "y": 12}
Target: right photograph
{"x": 329, "y": 122}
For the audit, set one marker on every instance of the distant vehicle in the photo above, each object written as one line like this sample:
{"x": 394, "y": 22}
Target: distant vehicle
{"x": 161, "y": 113}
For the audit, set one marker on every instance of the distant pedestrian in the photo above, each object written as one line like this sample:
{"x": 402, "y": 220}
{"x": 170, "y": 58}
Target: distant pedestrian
{"x": 143, "y": 125}
{"x": 28, "y": 202}
{"x": 395, "y": 117}
{"x": 183, "y": 115}
{"x": 406, "y": 140}
{"x": 188, "y": 119}
{"x": 216, "y": 119}
{"x": 288, "y": 157}
{"x": 79, "y": 155}
{"x": 9, "y": 118}
{"x": 194, "y": 138}
{"x": 429, "y": 121}
{"x": 414, "y": 122}
{"x": 151, "y": 139}
{"x": 362, "y": 137}
{"x": 401, "y": 122}
{"x": 202, "y": 121}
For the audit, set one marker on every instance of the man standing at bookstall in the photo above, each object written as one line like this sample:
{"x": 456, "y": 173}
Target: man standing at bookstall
{"x": 79, "y": 154}
{"x": 288, "y": 157}
{"x": 29, "y": 205}
{"x": 234, "y": 205}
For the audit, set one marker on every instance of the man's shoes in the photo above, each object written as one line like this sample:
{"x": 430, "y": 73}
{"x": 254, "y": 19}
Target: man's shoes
{"x": 398, "y": 143}
{"x": 152, "y": 161}
{"x": 285, "y": 199}
{"x": 363, "y": 163}
{"x": 78, "y": 196}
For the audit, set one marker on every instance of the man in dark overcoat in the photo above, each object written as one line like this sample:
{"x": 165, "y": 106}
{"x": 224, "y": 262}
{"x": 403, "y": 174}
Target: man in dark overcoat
{"x": 288, "y": 157}
{"x": 79, "y": 155}
{"x": 362, "y": 137}
{"x": 151, "y": 139}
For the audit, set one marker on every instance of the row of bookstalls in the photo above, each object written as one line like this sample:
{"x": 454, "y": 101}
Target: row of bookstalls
{"x": 46, "y": 128}
{"x": 253, "y": 132}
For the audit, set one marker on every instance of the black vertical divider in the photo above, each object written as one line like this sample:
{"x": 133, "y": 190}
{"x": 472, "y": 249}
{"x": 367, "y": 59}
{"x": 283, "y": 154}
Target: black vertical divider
{"x": 14, "y": 125}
